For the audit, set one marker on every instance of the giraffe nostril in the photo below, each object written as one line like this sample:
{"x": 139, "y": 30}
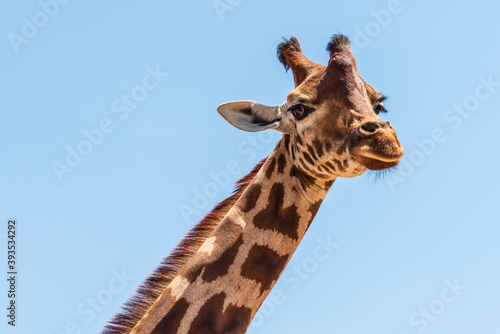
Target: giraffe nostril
{"x": 370, "y": 127}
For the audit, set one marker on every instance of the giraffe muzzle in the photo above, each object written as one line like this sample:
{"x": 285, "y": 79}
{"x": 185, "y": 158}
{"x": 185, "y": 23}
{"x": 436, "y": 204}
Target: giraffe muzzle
{"x": 375, "y": 145}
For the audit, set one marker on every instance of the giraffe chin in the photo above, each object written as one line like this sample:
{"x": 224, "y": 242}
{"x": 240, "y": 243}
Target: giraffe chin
{"x": 375, "y": 164}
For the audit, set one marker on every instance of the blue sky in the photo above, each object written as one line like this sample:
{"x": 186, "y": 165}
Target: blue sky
{"x": 135, "y": 88}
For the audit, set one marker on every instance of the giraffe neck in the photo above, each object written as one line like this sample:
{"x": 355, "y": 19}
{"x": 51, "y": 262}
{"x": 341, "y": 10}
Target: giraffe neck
{"x": 222, "y": 286}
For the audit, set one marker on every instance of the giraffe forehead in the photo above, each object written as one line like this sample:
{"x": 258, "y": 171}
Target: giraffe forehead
{"x": 333, "y": 82}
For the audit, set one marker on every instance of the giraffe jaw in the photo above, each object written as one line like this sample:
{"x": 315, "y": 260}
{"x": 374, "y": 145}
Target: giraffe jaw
{"x": 375, "y": 162}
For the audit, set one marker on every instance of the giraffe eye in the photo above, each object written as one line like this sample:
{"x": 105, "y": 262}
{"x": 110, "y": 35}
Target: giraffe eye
{"x": 379, "y": 108}
{"x": 299, "y": 111}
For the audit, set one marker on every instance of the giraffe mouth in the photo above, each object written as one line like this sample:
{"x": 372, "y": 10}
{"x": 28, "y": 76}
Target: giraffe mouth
{"x": 377, "y": 163}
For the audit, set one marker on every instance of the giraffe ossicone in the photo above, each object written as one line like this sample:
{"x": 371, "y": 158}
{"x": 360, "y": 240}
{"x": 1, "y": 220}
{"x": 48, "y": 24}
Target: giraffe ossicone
{"x": 219, "y": 275}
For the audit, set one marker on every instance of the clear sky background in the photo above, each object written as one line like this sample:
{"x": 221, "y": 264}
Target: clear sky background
{"x": 416, "y": 251}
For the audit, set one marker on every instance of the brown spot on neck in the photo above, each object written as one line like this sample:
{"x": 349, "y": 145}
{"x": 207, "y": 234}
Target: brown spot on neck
{"x": 170, "y": 324}
{"x": 270, "y": 168}
{"x": 275, "y": 217}
{"x": 263, "y": 265}
{"x": 286, "y": 142}
{"x": 281, "y": 164}
{"x": 220, "y": 266}
{"x": 249, "y": 201}
{"x": 211, "y": 318}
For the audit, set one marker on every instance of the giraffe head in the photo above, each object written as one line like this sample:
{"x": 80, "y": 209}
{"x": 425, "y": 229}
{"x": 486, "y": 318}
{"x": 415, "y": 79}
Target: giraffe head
{"x": 331, "y": 117}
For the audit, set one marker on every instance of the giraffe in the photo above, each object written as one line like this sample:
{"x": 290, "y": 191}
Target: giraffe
{"x": 219, "y": 275}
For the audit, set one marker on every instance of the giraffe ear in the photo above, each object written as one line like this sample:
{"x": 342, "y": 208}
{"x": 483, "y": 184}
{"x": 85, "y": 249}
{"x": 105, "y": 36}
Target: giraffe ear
{"x": 252, "y": 116}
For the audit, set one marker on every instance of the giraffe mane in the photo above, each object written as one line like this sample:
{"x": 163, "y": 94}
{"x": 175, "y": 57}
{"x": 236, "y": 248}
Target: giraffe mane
{"x": 148, "y": 292}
